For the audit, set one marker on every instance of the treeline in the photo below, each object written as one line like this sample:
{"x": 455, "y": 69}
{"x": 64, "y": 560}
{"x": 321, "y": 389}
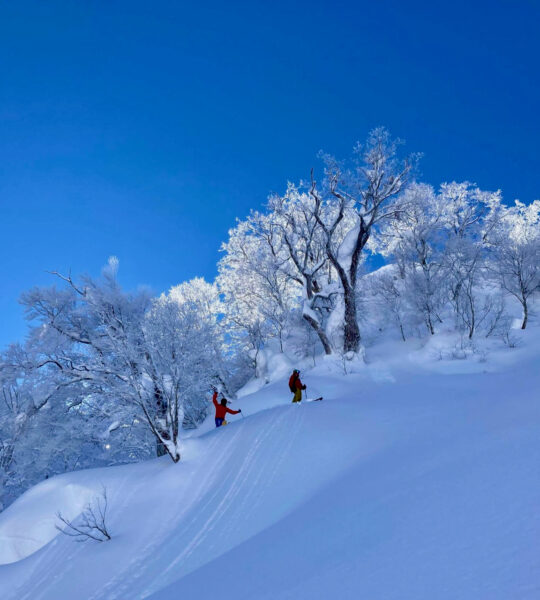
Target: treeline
{"x": 107, "y": 376}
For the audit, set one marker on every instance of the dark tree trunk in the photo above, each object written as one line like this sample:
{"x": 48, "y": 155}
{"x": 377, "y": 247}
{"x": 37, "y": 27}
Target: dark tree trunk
{"x": 312, "y": 285}
{"x": 525, "y": 313}
{"x": 429, "y": 323}
{"x": 160, "y": 448}
{"x": 320, "y": 332}
{"x": 351, "y": 331}
{"x": 161, "y": 410}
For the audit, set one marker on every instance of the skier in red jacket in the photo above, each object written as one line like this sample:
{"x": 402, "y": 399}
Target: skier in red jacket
{"x": 222, "y": 410}
{"x": 296, "y": 386}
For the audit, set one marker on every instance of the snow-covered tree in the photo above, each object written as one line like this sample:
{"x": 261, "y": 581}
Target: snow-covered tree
{"x": 366, "y": 195}
{"x": 146, "y": 355}
{"x": 206, "y": 358}
{"x": 257, "y": 295}
{"x": 514, "y": 237}
{"x": 47, "y": 429}
{"x": 415, "y": 241}
{"x": 296, "y": 239}
{"x": 465, "y": 209}
{"x": 178, "y": 367}
{"x": 388, "y": 289}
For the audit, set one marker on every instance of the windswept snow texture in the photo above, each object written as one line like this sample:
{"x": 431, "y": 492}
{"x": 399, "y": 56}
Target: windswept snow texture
{"x": 404, "y": 483}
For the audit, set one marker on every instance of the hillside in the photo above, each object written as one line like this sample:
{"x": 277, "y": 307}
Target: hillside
{"x": 415, "y": 478}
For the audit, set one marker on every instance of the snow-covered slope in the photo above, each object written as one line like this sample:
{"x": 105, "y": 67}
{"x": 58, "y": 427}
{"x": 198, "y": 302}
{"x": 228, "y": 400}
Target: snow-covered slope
{"x": 404, "y": 483}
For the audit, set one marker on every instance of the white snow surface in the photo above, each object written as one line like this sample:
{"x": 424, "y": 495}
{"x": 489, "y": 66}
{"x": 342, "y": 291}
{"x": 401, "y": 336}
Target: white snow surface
{"x": 412, "y": 479}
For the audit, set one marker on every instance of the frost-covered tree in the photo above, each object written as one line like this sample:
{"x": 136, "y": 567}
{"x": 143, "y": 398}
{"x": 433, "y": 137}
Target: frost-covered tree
{"x": 206, "y": 358}
{"x": 148, "y": 356}
{"x": 180, "y": 363}
{"x": 46, "y": 429}
{"x": 293, "y": 233}
{"x": 367, "y": 195}
{"x": 441, "y": 243}
{"x": 258, "y": 297}
{"x": 514, "y": 237}
{"x": 103, "y": 373}
{"x": 465, "y": 210}
{"x": 276, "y": 266}
{"x": 388, "y": 289}
{"x": 415, "y": 241}
{"x": 12, "y": 415}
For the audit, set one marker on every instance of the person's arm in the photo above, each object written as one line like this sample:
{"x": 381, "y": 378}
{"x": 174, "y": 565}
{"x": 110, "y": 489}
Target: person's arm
{"x": 232, "y": 412}
{"x": 214, "y": 399}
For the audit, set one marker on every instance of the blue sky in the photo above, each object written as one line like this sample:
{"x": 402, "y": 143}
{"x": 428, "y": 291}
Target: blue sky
{"x": 143, "y": 129}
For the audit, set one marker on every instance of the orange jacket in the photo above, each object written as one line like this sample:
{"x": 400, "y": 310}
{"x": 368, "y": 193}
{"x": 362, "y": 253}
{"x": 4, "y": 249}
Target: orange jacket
{"x": 221, "y": 410}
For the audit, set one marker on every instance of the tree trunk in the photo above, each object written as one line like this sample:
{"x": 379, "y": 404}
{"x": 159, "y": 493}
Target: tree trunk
{"x": 310, "y": 285}
{"x": 320, "y": 332}
{"x": 351, "y": 331}
{"x": 161, "y": 409}
{"x": 429, "y": 323}
{"x": 160, "y": 448}
{"x": 525, "y": 313}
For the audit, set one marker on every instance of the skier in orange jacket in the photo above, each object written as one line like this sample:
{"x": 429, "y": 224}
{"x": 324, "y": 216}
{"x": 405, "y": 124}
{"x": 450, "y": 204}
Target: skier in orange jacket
{"x": 222, "y": 410}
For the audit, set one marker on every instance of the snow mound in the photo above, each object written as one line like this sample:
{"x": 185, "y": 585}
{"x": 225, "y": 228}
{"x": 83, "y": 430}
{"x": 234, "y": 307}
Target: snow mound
{"x": 38, "y": 508}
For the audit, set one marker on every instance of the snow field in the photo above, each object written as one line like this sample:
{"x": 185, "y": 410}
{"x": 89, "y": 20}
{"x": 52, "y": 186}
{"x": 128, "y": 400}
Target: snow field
{"x": 404, "y": 483}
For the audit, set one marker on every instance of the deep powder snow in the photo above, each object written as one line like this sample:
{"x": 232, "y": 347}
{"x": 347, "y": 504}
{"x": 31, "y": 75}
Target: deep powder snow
{"x": 406, "y": 482}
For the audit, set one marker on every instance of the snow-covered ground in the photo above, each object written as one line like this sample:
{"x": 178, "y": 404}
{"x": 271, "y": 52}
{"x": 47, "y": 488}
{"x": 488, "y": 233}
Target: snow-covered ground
{"x": 417, "y": 477}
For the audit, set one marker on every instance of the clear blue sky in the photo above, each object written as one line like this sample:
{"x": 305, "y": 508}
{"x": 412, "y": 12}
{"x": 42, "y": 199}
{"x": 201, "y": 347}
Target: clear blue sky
{"x": 143, "y": 129}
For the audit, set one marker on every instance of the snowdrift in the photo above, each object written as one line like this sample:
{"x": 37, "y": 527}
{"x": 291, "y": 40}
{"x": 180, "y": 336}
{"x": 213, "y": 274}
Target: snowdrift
{"x": 404, "y": 483}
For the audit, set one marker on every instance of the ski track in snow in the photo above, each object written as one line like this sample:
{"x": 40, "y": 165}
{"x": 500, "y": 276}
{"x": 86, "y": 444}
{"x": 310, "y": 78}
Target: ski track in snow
{"x": 135, "y": 570}
{"x": 228, "y": 492}
{"x": 241, "y": 491}
{"x": 209, "y": 503}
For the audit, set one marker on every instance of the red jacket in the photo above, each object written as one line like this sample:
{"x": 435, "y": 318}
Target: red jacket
{"x": 296, "y": 383}
{"x": 221, "y": 410}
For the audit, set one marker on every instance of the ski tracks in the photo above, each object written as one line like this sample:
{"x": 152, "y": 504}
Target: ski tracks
{"x": 239, "y": 497}
{"x": 225, "y": 495}
{"x": 195, "y": 511}
{"x": 121, "y": 586}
